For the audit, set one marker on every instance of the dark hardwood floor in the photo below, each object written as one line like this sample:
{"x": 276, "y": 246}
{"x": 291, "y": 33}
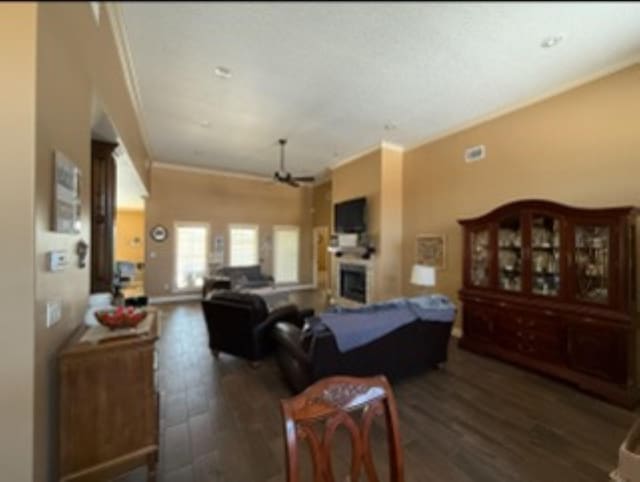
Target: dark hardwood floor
{"x": 474, "y": 420}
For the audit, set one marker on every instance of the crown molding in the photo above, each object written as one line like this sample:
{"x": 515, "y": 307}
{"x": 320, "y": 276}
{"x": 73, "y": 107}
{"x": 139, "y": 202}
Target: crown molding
{"x": 124, "y": 53}
{"x": 322, "y": 177}
{"x": 382, "y": 145}
{"x": 392, "y": 146}
{"x": 347, "y": 160}
{"x": 210, "y": 171}
{"x": 526, "y": 103}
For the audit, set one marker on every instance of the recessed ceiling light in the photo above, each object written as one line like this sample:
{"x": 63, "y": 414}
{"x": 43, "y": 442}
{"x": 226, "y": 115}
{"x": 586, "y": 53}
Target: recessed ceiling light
{"x": 205, "y": 123}
{"x": 390, "y": 126}
{"x": 551, "y": 41}
{"x": 223, "y": 72}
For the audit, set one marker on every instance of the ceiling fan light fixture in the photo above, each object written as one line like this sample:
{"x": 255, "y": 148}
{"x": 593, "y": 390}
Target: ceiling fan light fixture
{"x": 551, "y": 41}
{"x": 222, "y": 72}
{"x": 284, "y": 176}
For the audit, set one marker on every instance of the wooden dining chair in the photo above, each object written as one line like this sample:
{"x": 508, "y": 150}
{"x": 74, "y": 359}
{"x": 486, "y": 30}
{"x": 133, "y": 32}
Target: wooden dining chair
{"x": 341, "y": 401}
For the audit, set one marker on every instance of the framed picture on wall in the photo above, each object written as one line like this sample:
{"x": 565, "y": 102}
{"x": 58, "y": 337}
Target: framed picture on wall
{"x": 66, "y": 195}
{"x": 430, "y": 250}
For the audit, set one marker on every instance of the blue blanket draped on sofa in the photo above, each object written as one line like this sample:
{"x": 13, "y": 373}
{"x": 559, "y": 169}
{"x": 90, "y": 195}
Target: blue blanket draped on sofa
{"x": 354, "y": 327}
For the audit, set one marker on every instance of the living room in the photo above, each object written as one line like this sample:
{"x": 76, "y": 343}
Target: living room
{"x": 476, "y": 162}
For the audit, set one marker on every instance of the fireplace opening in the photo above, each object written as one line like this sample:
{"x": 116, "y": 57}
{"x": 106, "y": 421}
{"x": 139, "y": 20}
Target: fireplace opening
{"x": 353, "y": 282}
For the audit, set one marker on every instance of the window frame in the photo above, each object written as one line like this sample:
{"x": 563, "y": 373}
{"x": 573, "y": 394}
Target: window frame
{"x": 274, "y": 252}
{"x": 189, "y": 224}
{"x": 232, "y": 226}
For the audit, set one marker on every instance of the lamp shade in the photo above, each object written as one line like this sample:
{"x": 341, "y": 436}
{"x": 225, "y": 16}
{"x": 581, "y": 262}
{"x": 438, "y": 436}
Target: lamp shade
{"x": 423, "y": 275}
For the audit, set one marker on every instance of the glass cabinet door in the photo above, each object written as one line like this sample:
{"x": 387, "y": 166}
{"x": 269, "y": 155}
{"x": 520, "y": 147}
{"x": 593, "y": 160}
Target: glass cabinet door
{"x": 591, "y": 258}
{"x": 480, "y": 258}
{"x": 545, "y": 255}
{"x": 510, "y": 254}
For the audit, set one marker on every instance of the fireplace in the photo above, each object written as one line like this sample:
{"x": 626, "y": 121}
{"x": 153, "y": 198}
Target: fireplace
{"x": 353, "y": 282}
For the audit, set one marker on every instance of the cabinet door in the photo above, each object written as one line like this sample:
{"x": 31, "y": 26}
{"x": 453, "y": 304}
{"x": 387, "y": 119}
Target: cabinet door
{"x": 103, "y": 201}
{"x": 479, "y": 322}
{"x": 598, "y": 350}
{"x": 593, "y": 261}
{"x": 545, "y": 264}
{"x": 479, "y": 248}
{"x": 510, "y": 253}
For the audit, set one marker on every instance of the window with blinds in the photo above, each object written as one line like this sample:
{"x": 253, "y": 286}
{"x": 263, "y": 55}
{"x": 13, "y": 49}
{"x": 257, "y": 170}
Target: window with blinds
{"x": 191, "y": 255}
{"x": 243, "y": 245}
{"x": 286, "y": 251}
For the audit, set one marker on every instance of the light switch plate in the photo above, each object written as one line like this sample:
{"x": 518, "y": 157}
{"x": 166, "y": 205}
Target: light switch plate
{"x": 54, "y": 312}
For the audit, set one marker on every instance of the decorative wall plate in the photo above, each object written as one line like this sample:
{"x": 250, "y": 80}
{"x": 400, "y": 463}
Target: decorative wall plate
{"x": 159, "y": 233}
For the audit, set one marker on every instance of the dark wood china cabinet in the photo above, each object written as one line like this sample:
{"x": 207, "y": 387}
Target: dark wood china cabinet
{"x": 553, "y": 288}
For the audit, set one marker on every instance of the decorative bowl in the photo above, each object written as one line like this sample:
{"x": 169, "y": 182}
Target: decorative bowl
{"x": 120, "y": 317}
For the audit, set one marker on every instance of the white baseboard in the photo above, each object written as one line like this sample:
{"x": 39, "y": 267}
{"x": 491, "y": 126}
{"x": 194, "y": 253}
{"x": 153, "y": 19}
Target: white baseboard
{"x": 456, "y": 332}
{"x": 174, "y": 298}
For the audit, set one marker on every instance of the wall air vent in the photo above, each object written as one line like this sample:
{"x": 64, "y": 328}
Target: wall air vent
{"x": 475, "y": 153}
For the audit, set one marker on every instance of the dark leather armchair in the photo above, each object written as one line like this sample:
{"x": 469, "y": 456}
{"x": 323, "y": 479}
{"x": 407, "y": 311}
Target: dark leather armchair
{"x": 240, "y": 323}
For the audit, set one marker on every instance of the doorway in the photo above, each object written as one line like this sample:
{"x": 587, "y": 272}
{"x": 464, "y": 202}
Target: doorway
{"x": 117, "y": 213}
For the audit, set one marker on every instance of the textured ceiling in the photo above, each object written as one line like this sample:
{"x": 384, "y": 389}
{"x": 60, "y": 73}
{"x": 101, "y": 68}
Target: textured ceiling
{"x": 330, "y": 76}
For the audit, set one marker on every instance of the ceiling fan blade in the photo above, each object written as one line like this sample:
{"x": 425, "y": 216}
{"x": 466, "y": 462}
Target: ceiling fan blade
{"x": 304, "y": 178}
{"x": 292, "y": 182}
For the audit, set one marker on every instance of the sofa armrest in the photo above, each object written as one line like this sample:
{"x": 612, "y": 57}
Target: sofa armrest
{"x": 287, "y": 337}
{"x": 288, "y": 313}
{"x": 307, "y": 313}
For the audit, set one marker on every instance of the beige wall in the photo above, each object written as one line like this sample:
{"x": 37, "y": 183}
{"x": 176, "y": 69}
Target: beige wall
{"x": 389, "y": 270}
{"x": 18, "y": 24}
{"x": 57, "y": 63}
{"x": 129, "y": 225}
{"x": 358, "y": 178}
{"x": 377, "y": 176}
{"x": 179, "y": 195}
{"x": 322, "y": 205}
{"x": 580, "y": 148}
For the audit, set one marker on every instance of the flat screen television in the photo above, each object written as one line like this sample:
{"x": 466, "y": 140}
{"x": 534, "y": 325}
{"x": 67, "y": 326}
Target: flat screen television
{"x": 351, "y": 216}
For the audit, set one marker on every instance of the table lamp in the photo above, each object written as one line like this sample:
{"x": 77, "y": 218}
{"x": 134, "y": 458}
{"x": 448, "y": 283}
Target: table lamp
{"x": 422, "y": 275}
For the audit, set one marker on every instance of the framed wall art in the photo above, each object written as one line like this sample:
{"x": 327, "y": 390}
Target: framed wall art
{"x": 66, "y": 195}
{"x": 430, "y": 250}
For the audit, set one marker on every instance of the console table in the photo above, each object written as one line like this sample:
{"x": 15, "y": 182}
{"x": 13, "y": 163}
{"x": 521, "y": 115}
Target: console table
{"x": 109, "y": 403}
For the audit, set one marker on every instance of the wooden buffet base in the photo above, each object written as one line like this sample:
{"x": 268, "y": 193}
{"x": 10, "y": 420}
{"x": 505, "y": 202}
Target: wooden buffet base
{"x": 109, "y": 405}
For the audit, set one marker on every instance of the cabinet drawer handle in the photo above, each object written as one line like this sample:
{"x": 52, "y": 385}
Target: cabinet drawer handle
{"x": 531, "y": 323}
{"x": 587, "y": 319}
{"x": 549, "y": 313}
{"x": 519, "y": 320}
{"x": 519, "y": 333}
{"x": 532, "y": 337}
{"x": 502, "y": 304}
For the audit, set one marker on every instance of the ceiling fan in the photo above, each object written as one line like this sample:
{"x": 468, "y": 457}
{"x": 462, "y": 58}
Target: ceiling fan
{"x": 284, "y": 176}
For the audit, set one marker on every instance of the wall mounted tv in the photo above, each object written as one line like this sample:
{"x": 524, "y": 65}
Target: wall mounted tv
{"x": 351, "y": 216}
